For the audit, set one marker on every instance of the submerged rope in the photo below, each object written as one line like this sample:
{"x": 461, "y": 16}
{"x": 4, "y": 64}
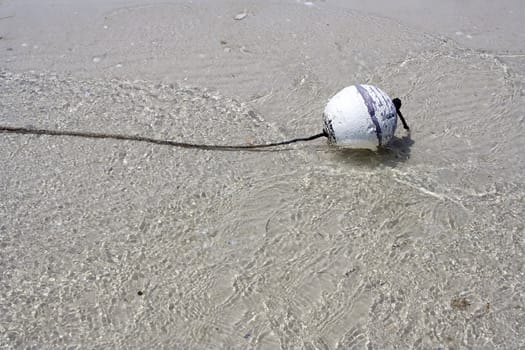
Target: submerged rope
{"x": 97, "y": 135}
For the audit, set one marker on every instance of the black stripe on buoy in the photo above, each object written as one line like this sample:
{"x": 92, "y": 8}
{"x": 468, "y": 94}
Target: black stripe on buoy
{"x": 371, "y": 111}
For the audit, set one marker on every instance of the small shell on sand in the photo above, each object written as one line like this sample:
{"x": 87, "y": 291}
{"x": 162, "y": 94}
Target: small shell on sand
{"x": 240, "y": 16}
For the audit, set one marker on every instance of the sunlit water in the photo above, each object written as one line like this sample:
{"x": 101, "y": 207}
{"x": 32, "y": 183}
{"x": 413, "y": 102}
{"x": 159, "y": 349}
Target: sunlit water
{"x": 111, "y": 244}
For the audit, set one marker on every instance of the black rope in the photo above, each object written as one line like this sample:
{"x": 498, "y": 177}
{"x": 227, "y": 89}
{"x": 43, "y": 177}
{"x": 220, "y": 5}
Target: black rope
{"x": 397, "y": 103}
{"x": 96, "y": 135}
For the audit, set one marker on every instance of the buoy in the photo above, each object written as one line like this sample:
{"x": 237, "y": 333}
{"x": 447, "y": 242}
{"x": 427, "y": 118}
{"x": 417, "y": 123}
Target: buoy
{"x": 361, "y": 116}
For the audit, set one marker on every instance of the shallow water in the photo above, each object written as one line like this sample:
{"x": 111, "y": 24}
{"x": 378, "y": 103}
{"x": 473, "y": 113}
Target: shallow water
{"x": 108, "y": 244}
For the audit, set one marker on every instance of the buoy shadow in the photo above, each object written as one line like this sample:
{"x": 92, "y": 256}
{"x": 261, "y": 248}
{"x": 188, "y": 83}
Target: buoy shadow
{"x": 397, "y": 151}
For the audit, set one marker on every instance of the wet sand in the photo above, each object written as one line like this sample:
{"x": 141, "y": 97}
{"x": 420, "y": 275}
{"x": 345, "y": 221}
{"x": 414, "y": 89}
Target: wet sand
{"x": 117, "y": 244}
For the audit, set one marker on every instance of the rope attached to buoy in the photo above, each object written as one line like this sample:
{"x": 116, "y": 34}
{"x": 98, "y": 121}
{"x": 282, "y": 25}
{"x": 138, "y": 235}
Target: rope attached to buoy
{"x": 97, "y": 135}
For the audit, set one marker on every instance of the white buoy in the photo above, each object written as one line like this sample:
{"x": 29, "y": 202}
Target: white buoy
{"x": 360, "y": 116}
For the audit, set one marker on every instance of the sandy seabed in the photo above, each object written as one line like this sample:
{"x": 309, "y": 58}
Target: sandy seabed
{"x": 118, "y": 244}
